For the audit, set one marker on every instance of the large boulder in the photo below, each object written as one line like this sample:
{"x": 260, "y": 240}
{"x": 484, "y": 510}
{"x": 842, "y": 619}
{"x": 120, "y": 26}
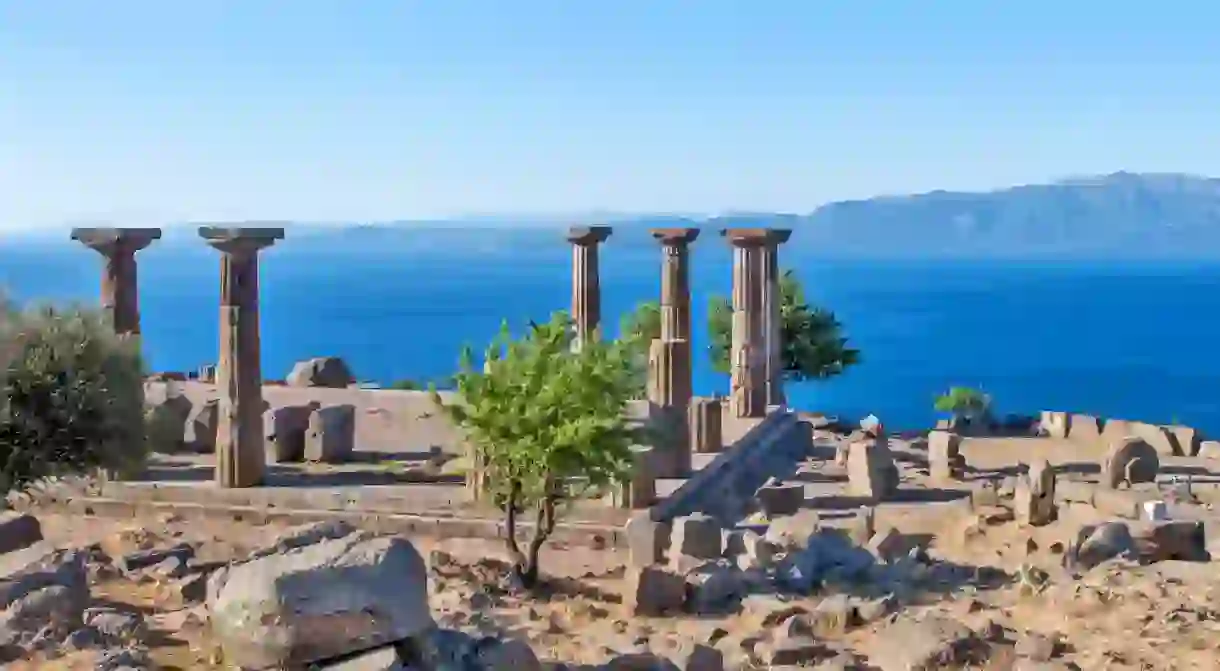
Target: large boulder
{"x": 327, "y": 371}
{"x": 1130, "y": 460}
{"x": 319, "y": 601}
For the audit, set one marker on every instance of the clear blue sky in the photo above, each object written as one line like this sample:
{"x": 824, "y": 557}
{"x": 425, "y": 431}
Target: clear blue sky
{"x": 142, "y": 111}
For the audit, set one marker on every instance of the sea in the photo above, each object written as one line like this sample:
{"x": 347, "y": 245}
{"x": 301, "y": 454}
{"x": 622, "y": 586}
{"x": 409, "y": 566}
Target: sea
{"x": 1114, "y": 339}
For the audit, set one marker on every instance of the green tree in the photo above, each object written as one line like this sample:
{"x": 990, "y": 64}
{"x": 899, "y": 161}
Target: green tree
{"x": 546, "y": 423}
{"x": 814, "y": 347}
{"x": 73, "y": 395}
{"x": 637, "y": 330}
{"x": 964, "y": 404}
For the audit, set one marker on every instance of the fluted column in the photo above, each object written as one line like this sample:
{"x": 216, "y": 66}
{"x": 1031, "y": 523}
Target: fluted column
{"x": 120, "y": 282}
{"x": 748, "y": 389}
{"x": 772, "y": 300}
{"x": 670, "y": 356}
{"x": 586, "y": 284}
{"x": 675, "y": 281}
{"x": 240, "y": 453}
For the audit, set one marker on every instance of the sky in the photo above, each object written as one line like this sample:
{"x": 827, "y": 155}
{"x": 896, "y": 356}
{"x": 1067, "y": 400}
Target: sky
{"x": 137, "y": 112}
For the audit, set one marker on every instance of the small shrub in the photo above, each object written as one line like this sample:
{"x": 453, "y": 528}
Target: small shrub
{"x": 965, "y": 404}
{"x": 73, "y": 397}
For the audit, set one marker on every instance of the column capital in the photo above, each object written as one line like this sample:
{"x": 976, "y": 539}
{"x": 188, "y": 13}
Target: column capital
{"x": 675, "y": 237}
{"x": 108, "y": 240}
{"x": 588, "y": 235}
{"x": 756, "y": 237}
{"x": 239, "y": 239}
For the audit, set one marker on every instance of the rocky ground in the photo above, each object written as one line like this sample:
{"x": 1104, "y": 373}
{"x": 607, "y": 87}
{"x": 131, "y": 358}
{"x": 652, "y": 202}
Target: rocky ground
{"x": 932, "y": 584}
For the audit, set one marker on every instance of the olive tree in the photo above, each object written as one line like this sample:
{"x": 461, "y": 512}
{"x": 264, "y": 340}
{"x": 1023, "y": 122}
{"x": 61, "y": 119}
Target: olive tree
{"x": 73, "y": 395}
{"x": 546, "y": 423}
{"x": 965, "y": 405}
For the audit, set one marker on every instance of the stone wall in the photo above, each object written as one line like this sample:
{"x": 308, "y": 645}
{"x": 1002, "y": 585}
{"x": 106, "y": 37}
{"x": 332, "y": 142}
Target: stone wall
{"x": 1089, "y": 430}
{"x": 723, "y": 487}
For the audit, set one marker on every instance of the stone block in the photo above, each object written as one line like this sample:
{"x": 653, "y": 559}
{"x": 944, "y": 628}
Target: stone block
{"x": 653, "y": 591}
{"x": 1161, "y": 440}
{"x": 18, "y": 531}
{"x": 285, "y": 430}
{"x": 871, "y": 471}
{"x": 945, "y": 460}
{"x": 1035, "y": 494}
{"x": 646, "y": 540}
{"x": 640, "y": 491}
{"x": 331, "y": 437}
{"x": 697, "y": 536}
{"x": 1113, "y": 430}
{"x": 1209, "y": 449}
{"x": 329, "y": 372}
{"x": 1188, "y": 440}
{"x": 1130, "y": 460}
{"x": 1084, "y": 429}
{"x": 707, "y": 425}
{"x": 201, "y": 427}
{"x": 1054, "y": 424}
{"x": 777, "y": 498}
{"x": 1114, "y": 502}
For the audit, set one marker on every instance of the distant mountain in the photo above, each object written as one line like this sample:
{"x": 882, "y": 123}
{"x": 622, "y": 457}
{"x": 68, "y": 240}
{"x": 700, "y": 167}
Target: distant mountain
{"x": 1119, "y": 215}
{"x": 1122, "y": 215}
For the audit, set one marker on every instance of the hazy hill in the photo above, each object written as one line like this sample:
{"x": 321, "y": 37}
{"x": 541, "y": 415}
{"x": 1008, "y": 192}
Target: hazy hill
{"x": 1123, "y": 215}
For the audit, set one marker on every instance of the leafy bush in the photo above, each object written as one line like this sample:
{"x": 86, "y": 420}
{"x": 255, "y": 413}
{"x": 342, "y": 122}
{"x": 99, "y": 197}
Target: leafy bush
{"x": 73, "y": 398}
{"x": 547, "y": 424}
{"x": 964, "y": 403}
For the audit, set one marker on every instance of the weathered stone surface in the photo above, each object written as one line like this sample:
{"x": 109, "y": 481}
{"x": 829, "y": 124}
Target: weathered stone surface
{"x": 1084, "y": 429}
{"x": 331, "y": 437}
{"x": 793, "y": 531}
{"x": 646, "y": 540}
{"x": 1170, "y": 540}
{"x": 142, "y": 559}
{"x": 749, "y": 354}
{"x": 1035, "y": 494}
{"x": 1160, "y": 438}
{"x": 18, "y": 531}
{"x": 1209, "y": 449}
{"x": 385, "y": 658}
{"x": 1186, "y": 438}
{"x": 696, "y": 536}
{"x": 329, "y": 372}
{"x": 120, "y": 277}
{"x": 38, "y": 566}
{"x": 1114, "y": 429}
{"x": 707, "y": 425}
{"x": 320, "y": 601}
{"x": 871, "y": 471}
{"x": 201, "y": 427}
{"x": 653, "y": 591}
{"x": 777, "y": 498}
{"x": 240, "y": 453}
{"x": 285, "y": 430}
{"x": 1054, "y": 424}
{"x": 1096, "y": 544}
{"x": 640, "y": 491}
{"x": 586, "y": 279}
{"x": 1130, "y": 460}
{"x": 945, "y": 460}
{"x": 936, "y": 642}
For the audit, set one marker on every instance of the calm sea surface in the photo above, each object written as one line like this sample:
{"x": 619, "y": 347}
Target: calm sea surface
{"x": 1132, "y": 341}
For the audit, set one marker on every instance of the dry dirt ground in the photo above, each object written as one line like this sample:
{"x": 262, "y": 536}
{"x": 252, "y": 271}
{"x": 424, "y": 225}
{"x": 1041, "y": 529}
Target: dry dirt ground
{"x": 1119, "y": 615}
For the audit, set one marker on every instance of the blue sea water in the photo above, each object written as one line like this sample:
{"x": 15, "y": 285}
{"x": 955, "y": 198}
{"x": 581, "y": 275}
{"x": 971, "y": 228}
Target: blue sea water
{"x": 1122, "y": 340}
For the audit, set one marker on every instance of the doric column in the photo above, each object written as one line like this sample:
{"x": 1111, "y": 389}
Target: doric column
{"x": 240, "y": 454}
{"x": 706, "y": 427}
{"x": 675, "y": 281}
{"x": 749, "y": 356}
{"x": 120, "y": 290}
{"x": 772, "y": 300}
{"x": 586, "y": 284}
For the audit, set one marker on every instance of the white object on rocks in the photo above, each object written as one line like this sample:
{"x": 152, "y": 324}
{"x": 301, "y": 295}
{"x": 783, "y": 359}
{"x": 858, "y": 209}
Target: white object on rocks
{"x": 870, "y": 423}
{"x": 1155, "y": 511}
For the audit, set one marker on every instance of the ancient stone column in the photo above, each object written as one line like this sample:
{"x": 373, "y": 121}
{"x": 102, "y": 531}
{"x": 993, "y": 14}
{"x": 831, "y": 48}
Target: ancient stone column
{"x": 669, "y": 391}
{"x": 240, "y": 454}
{"x": 748, "y": 387}
{"x": 586, "y": 285}
{"x": 773, "y": 329}
{"x": 120, "y": 291}
{"x": 675, "y": 281}
{"x": 706, "y": 427}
